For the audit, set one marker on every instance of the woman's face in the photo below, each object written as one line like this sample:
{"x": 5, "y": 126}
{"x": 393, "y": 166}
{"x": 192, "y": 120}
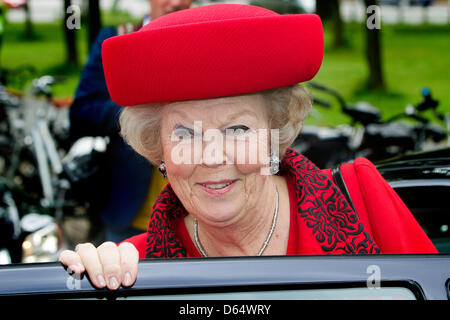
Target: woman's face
{"x": 214, "y": 154}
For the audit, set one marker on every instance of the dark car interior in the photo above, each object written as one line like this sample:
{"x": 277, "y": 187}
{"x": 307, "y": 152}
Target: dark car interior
{"x": 430, "y": 207}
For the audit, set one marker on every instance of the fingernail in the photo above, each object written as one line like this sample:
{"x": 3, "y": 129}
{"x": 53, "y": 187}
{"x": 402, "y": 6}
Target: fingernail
{"x": 80, "y": 267}
{"x": 113, "y": 283}
{"x": 127, "y": 279}
{"x": 101, "y": 280}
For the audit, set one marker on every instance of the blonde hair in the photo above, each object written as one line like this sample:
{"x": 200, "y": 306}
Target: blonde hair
{"x": 287, "y": 108}
{"x": 140, "y": 127}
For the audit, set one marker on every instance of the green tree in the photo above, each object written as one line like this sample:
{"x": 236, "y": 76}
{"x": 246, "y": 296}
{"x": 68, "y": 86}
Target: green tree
{"x": 329, "y": 10}
{"x": 373, "y": 47}
{"x": 28, "y": 24}
{"x": 69, "y": 36}
{"x": 94, "y": 20}
{"x": 324, "y": 8}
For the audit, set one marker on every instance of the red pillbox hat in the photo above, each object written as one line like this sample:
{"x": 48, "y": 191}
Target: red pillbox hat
{"x": 212, "y": 51}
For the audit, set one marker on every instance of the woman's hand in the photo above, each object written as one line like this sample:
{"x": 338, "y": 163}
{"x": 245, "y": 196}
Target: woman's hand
{"x": 108, "y": 265}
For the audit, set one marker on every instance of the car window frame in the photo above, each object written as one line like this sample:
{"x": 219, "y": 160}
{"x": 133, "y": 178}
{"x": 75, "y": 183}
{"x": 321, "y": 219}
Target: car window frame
{"x": 157, "y": 276}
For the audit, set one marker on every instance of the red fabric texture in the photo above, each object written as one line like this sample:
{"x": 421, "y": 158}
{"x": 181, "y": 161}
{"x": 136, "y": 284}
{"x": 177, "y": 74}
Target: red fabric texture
{"x": 212, "y": 51}
{"x": 383, "y": 214}
{"x": 294, "y": 245}
{"x": 384, "y": 207}
{"x": 382, "y": 211}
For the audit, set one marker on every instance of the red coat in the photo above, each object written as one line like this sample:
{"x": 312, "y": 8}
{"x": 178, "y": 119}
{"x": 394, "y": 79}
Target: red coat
{"x": 322, "y": 221}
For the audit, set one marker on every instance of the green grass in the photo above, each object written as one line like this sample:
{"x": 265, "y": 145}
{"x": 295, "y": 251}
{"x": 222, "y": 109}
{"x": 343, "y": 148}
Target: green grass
{"x": 414, "y": 57}
{"x": 46, "y": 51}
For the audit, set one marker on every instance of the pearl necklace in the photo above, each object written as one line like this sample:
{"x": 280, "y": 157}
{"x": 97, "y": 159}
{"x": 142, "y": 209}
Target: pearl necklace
{"x": 274, "y": 222}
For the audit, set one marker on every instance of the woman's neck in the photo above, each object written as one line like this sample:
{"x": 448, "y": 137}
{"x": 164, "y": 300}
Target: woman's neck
{"x": 246, "y": 235}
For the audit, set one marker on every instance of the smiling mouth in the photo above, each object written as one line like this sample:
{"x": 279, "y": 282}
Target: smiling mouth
{"x": 217, "y": 185}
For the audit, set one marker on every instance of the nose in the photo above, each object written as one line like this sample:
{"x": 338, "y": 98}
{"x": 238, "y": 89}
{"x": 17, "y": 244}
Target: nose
{"x": 213, "y": 151}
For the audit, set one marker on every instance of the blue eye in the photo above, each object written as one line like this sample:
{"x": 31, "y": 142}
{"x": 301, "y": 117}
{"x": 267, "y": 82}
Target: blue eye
{"x": 183, "y": 133}
{"x": 237, "y": 130}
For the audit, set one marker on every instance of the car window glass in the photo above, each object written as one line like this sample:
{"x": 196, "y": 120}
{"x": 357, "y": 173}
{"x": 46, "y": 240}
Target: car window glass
{"x": 387, "y": 293}
{"x": 430, "y": 208}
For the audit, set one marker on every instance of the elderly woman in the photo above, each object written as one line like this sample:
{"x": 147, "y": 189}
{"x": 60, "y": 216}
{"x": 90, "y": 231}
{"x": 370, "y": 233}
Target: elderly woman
{"x": 213, "y": 100}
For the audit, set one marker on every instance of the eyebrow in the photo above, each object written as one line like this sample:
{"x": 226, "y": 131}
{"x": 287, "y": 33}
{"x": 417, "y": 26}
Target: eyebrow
{"x": 237, "y": 115}
{"x": 227, "y": 120}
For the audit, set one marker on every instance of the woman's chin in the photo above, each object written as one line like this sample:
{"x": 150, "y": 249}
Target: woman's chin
{"x": 215, "y": 214}
{"x": 219, "y": 208}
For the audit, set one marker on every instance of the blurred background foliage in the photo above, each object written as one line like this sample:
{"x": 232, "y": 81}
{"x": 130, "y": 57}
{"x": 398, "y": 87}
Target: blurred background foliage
{"x": 413, "y": 56}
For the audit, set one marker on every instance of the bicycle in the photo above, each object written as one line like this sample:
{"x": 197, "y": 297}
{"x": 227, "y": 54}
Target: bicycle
{"x": 369, "y": 136}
